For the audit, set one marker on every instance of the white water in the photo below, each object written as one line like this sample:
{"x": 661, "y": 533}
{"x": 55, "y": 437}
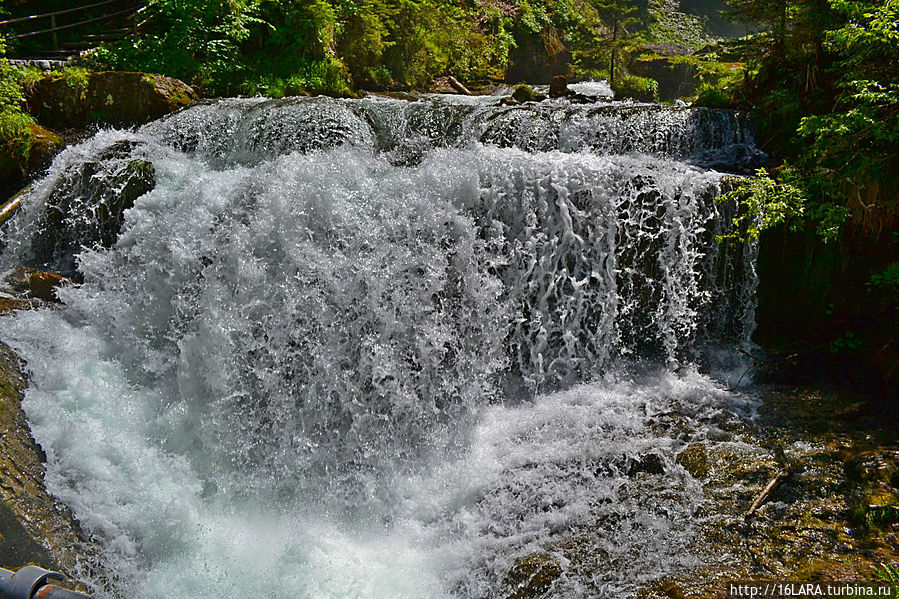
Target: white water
{"x": 386, "y": 349}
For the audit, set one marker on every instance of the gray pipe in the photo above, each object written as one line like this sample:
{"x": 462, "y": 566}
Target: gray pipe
{"x": 30, "y": 582}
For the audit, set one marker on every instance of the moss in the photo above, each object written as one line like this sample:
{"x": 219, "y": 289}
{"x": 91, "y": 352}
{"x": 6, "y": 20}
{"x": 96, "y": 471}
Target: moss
{"x": 695, "y": 460}
{"x": 532, "y": 576}
{"x": 524, "y": 93}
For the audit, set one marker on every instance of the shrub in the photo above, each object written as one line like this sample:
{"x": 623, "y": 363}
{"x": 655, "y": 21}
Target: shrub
{"x": 642, "y": 89}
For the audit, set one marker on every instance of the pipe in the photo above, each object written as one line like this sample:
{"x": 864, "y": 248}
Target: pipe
{"x": 30, "y": 582}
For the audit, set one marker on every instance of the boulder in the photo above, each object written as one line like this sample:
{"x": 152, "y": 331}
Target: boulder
{"x": 32, "y": 151}
{"x": 695, "y": 460}
{"x": 87, "y": 207}
{"x": 558, "y": 87}
{"x": 45, "y": 144}
{"x": 525, "y": 93}
{"x": 68, "y": 101}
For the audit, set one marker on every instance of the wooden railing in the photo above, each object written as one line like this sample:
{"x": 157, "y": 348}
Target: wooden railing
{"x": 134, "y": 8}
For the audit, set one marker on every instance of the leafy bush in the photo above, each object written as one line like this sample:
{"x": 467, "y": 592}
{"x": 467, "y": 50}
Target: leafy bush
{"x": 715, "y": 95}
{"x": 825, "y": 79}
{"x": 643, "y": 89}
{"x": 765, "y": 203}
{"x": 15, "y": 137}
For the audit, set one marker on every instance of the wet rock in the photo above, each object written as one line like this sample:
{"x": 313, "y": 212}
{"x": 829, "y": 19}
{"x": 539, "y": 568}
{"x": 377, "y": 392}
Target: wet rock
{"x": 695, "y": 460}
{"x": 45, "y": 144}
{"x": 872, "y": 465}
{"x": 8, "y": 304}
{"x": 31, "y": 152}
{"x": 33, "y": 526}
{"x": 671, "y": 589}
{"x": 532, "y": 576}
{"x": 558, "y": 87}
{"x": 524, "y": 93}
{"x": 43, "y": 285}
{"x": 672, "y": 424}
{"x": 110, "y": 98}
{"x": 649, "y": 464}
{"x": 86, "y": 209}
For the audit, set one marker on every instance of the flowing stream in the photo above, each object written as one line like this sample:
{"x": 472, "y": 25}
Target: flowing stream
{"x": 385, "y": 348}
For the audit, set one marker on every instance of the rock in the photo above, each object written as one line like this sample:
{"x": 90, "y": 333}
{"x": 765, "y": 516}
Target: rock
{"x": 872, "y": 465}
{"x": 671, "y": 589}
{"x": 532, "y": 576}
{"x": 42, "y": 285}
{"x": 695, "y": 460}
{"x": 676, "y": 79}
{"x": 524, "y": 93}
{"x": 108, "y": 97}
{"x": 45, "y": 144}
{"x": 641, "y": 89}
{"x": 34, "y": 527}
{"x": 8, "y": 305}
{"x": 538, "y": 57}
{"x": 87, "y": 207}
{"x": 32, "y": 282}
{"x": 16, "y": 162}
{"x": 558, "y": 87}
{"x": 650, "y": 464}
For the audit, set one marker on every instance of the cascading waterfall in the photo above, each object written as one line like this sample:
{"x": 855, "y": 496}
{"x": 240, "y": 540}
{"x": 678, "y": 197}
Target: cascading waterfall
{"x": 381, "y": 348}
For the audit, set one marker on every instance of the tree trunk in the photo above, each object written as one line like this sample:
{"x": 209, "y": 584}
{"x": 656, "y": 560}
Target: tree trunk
{"x": 614, "y": 56}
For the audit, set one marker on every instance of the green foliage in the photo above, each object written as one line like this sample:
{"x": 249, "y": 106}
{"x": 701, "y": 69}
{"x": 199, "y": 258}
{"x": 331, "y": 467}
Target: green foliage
{"x": 888, "y": 278}
{"x": 716, "y": 95}
{"x": 76, "y": 78}
{"x": 826, "y": 82}
{"x": 846, "y": 342}
{"x": 199, "y": 41}
{"x": 643, "y": 89}
{"x": 317, "y": 46}
{"x": 765, "y": 203}
{"x": 672, "y": 27}
{"x": 888, "y": 573}
{"x": 609, "y": 33}
{"x": 15, "y": 137}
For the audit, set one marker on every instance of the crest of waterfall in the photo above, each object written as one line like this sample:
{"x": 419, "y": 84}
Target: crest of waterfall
{"x": 317, "y": 301}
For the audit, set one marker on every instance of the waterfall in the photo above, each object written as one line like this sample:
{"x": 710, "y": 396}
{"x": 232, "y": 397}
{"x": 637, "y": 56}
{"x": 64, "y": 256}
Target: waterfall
{"x": 382, "y": 348}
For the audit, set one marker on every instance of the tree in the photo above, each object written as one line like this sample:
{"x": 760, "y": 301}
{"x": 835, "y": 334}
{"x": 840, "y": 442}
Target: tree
{"x": 619, "y": 19}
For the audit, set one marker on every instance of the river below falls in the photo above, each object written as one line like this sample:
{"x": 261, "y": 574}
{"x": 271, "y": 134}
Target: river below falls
{"x": 383, "y": 348}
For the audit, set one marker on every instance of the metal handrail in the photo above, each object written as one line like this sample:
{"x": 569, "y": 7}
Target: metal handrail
{"x": 58, "y": 12}
{"x": 71, "y": 25}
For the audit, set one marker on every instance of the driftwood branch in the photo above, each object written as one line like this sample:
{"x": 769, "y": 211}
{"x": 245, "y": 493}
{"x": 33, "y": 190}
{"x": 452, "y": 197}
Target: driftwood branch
{"x": 772, "y": 484}
{"x": 454, "y": 83}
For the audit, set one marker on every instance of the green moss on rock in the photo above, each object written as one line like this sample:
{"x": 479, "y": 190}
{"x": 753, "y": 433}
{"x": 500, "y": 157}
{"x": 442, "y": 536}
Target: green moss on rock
{"x": 106, "y": 98}
{"x": 532, "y": 576}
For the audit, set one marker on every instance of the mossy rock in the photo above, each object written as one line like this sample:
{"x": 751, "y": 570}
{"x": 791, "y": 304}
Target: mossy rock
{"x": 104, "y": 188}
{"x": 525, "y": 93}
{"x": 106, "y": 98}
{"x": 695, "y": 460}
{"x": 532, "y": 576}
{"x": 641, "y": 89}
{"x": 31, "y": 151}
